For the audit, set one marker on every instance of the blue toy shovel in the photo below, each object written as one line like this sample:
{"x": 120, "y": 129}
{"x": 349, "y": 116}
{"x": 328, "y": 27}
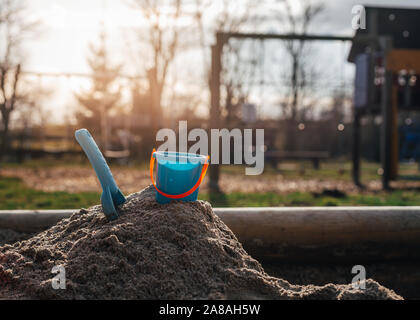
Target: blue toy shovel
{"x": 111, "y": 194}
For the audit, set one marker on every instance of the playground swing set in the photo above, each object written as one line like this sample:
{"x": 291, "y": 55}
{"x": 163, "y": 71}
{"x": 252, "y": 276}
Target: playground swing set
{"x": 222, "y": 39}
{"x": 387, "y": 59}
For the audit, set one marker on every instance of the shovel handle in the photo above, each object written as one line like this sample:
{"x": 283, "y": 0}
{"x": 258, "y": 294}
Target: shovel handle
{"x": 111, "y": 196}
{"x": 96, "y": 158}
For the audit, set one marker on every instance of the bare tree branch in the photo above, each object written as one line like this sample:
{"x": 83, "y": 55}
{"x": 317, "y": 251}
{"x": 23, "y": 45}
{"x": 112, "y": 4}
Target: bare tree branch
{"x": 163, "y": 43}
{"x": 14, "y": 28}
{"x": 297, "y": 23}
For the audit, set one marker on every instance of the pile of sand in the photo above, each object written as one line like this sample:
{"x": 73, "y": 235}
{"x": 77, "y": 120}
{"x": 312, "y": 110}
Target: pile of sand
{"x": 175, "y": 251}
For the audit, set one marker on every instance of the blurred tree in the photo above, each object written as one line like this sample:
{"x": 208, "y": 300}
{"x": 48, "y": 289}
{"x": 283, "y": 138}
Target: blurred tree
{"x": 296, "y": 18}
{"x": 102, "y": 98}
{"x": 239, "y": 70}
{"x": 340, "y": 107}
{"x": 162, "y": 42}
{"x": 339, "y": 119}
{"x": 139, "y": 122}
{"x": 14, "y": 29}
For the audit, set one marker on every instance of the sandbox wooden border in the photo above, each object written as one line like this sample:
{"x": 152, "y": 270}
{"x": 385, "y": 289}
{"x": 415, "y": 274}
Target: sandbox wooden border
{"x": 303, "y": 234}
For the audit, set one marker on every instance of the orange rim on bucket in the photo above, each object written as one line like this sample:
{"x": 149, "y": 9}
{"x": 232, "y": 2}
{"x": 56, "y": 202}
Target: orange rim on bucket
{"x": 182, "y": 195}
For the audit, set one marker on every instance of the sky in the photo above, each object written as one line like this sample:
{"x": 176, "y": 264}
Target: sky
{"x": 68, "y": 26}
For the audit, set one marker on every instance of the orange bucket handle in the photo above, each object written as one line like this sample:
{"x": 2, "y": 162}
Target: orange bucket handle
{"x": 182, "y": 195}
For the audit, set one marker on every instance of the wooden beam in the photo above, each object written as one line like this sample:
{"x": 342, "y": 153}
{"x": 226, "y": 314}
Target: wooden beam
{"x": 31, "y": 220}
{"x": 215, "y": 118}
{"x": 386, "y": 130}
{"x": 394, "y": 166}
{"x": 322, "y": 235}
{"x": 311, "y": 234}
{"x": 386, "y": 112}
{"x": 356, "y": 148}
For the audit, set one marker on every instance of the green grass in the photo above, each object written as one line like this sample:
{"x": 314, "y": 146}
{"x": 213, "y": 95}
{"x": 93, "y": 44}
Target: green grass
{"x": 47, "y": 163}
{"x": 328, "y": 171}
{"x": 15, "y": 195}
{"x": 340, "y": 171}
{"x": 70, "y": 162}
{"x": 331, "y": 170}
{"x": 296, "y": 199}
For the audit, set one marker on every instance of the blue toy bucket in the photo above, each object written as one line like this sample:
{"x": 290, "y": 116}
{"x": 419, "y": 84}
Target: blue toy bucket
{"x": 179, "y": 175}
